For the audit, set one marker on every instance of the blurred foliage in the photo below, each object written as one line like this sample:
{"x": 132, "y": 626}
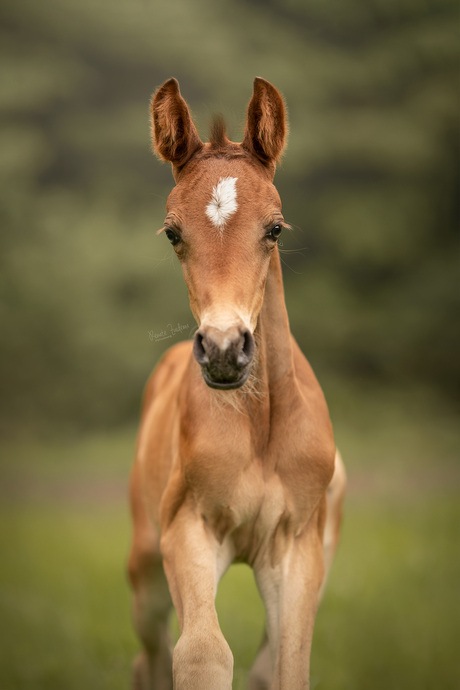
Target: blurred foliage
{"x": 369, "y": 183}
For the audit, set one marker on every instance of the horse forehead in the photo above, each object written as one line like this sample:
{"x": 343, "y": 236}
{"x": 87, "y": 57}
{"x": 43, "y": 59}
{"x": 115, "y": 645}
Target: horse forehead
{"x": 219, "y": 190}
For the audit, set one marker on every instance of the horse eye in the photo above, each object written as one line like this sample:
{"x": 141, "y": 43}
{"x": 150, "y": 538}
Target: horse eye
{"x": 274, "y": 233}
{"x": 172, "y": 236}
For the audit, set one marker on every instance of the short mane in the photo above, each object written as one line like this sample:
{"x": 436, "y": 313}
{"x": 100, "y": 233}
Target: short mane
{"x": 218, "y": 135}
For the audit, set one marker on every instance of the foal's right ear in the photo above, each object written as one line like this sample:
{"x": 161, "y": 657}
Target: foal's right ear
{"x": 174, "y": 135}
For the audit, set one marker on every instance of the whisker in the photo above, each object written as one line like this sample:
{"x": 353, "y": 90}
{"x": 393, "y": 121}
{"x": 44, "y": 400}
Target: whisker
{"x": 298, "y": 273}
{"x": 167, "y": 256}
{"x": 294, "y": 251}
{"x": 158, "y": 196}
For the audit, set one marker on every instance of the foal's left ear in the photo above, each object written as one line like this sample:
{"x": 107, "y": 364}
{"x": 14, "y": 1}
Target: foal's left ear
{"x": 175, "y": 138}
{"x": 266, "y": 124}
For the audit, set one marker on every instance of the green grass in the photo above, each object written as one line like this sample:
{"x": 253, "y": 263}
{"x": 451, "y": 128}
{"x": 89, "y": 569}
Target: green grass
{"x": 64, "y": 598}
{"x": 391, "y": 615}
{"x": 389, "y": 620}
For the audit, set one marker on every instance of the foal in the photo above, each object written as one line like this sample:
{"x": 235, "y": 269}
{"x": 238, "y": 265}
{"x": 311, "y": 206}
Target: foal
{"x": 235, "y": 457}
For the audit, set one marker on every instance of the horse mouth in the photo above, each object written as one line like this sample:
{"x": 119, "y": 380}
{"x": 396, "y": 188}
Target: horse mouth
{"x": 226, "y": 385}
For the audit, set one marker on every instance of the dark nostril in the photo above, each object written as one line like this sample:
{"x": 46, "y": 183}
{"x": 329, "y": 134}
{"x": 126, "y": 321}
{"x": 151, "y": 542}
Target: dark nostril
{"x": 247, "y": 349}
{"x": 248, "y": 346}
{"x": 199, "y": 350}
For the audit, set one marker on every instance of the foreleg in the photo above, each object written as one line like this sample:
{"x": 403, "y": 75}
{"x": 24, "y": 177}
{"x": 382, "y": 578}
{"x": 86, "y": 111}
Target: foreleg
{"x": 152, "y": 601}
{"x": 290, "y": 590}
{"x": 194, "y": 561}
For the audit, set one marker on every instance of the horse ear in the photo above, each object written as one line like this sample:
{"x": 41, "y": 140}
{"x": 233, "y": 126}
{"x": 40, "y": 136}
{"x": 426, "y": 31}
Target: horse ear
{"x": 174, "y": 135}
{"x": 266, "y": 123}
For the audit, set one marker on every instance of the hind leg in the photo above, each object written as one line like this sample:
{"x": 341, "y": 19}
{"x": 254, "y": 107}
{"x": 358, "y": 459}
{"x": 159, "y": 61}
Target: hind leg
{"x": 335, "y": 495}
{"x": 152, "y": 601}
{"x": 262, "y": 671}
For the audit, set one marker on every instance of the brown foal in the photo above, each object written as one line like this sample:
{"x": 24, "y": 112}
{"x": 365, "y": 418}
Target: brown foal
{"x": 235, "y": 458}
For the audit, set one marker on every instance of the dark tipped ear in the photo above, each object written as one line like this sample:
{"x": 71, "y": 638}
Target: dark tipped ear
{"x": 266, "y": 124}
{"x": 174, "y": 135}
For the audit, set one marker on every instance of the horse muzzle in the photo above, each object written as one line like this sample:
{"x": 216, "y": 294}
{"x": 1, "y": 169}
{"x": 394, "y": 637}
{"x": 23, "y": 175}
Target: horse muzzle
{"x": 225, "y": 357}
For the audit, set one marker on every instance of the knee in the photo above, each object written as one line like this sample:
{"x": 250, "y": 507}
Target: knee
{"x": 203, "y": 661}
{"x": 152, "y": 600}
{"x": 144, "y": 563}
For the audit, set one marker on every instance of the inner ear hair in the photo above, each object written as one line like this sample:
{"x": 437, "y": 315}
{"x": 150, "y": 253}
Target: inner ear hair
{"x": 266, "y": 124}
{"x": 174, "y": 135}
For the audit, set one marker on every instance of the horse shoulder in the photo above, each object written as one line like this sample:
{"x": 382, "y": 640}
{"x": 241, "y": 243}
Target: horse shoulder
{"x": 308, "y": 449}
{"x": 158, "y": 437}
{"x": 312, "y": 394}
{"x": 171, "y": 367}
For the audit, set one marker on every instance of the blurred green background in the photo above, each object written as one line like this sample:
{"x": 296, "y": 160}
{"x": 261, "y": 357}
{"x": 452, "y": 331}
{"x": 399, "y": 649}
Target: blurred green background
{"x": 370, "y": 185}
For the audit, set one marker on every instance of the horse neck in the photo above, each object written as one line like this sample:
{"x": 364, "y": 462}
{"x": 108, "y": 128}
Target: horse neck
{"x": 276, "y": 344}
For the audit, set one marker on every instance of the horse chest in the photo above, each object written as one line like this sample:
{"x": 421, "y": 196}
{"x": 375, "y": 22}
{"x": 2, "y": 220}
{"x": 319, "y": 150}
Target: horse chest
{"x": 252, "y": 487}
{"x": 251, "y": 507}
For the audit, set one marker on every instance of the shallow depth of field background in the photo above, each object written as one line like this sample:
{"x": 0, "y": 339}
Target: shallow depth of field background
{"x": 88, "y": 293}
